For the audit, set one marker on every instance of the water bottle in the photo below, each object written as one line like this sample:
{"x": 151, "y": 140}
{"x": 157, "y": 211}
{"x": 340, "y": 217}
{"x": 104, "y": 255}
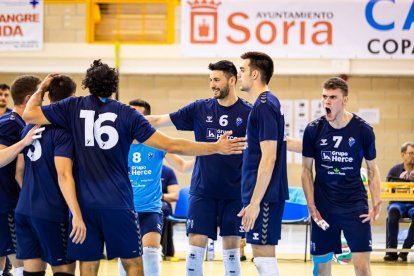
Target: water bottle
{"x": 210, "y": 250}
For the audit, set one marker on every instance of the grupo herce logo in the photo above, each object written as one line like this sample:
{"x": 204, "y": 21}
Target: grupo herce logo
{"x": 203, "y": 21}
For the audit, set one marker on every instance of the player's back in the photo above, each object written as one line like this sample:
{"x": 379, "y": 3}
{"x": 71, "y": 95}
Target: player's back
{"x": 102, "y": 133}
{"x": 11, "y": 124}
{"x": 40, "y": 196}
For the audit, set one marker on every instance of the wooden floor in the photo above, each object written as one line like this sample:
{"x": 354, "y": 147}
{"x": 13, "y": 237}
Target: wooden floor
{"x": 290, "y": 265}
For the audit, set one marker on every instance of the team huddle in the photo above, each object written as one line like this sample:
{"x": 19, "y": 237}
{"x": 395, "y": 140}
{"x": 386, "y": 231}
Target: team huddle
{"x": 71, "y": 160}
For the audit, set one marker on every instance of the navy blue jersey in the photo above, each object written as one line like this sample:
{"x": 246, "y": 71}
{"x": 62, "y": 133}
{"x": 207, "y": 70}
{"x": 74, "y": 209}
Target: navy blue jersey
{"x": 102, "y": 133}
{"x": 216, "y": 176}
{"x": 338, "y": 155}
{"x": 11, "y": 125}
{"x": 8, "y": 110}
{"x": 266, "y": 123}
{"x": 167, "y": 178}
{"x": 40, "y": 196}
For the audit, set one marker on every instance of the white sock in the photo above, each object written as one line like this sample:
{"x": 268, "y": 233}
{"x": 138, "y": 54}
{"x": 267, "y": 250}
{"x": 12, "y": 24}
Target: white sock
{"x": 18, "y": 271}
{"x": 151, "y": 261}
{"x": 231, "y": 260}
{"x": 194, "y": 261}
{"x": 266, "y": 266}
{"x": 121, "y": 269}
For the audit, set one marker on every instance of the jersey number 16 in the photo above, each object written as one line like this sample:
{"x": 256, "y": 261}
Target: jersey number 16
{"x": 94, "y": 129}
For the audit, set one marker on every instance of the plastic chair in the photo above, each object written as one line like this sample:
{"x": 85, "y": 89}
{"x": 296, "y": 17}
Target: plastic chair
{"x": 296, "y": 212}
{"x": 181, "y": 207}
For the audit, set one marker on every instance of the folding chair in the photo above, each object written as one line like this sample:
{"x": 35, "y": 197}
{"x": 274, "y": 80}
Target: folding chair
{"x": 181, "y": 207}
{"x": 296, "y": 212}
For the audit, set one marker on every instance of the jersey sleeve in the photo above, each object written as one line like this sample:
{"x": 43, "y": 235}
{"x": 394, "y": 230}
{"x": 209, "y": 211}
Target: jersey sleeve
{"x": 59, "y": 112}
{"x": 307, "y": 143}
{"x": 140, "y": 128}
{"x": 370, "y": 152}
{"x": 267, "y": 122}
{"x": 183, "y": 119}
{"x": 63, "y": 144}
{"x": 9, "y": 133}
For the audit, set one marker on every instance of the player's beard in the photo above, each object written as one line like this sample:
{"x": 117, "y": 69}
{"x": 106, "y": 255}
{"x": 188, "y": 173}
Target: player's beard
{"x": 224, "y": 92}
{"x": 3, "y": 104}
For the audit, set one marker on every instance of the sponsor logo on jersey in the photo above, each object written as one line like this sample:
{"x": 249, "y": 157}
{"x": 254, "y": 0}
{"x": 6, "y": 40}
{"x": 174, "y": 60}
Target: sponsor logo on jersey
{"x": 351, "y": 141}
{"x": 256, "y": 236}
{"x": 150, "y": 155}
{"x": 211, "y": 133}
{"x": 239, "y": 121}
{"x": 241, "y": 229}
{"x": 139, "y": 170}
{"x": 336, "y": 156}
{"x": 323, "y": 142}
{"x": 326, "y": 156}
{"x": 336, "y": 171}
{"x": 209, "y": 119}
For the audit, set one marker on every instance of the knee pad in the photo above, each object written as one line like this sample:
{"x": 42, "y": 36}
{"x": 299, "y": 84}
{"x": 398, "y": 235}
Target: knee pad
{"x": 62, "y": 274}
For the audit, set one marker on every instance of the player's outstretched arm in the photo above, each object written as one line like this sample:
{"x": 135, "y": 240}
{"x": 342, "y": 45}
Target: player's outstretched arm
{"x": 67, "y": 187}
{"x": 264, "y": 174}
{"x": 374, "y": 184}
{"x": 294, "y": 144}
{"x": 186, "y": 147}
{"x": 33, "y": 113}
{"x": 8, "y": 154}
{"x": 179, "y": 163}
{"x": 160, "y": 120}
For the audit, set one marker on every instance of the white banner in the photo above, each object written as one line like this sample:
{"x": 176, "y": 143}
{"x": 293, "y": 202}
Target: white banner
{"x": 299, "y": 28}
{"x": 21, "y": 25}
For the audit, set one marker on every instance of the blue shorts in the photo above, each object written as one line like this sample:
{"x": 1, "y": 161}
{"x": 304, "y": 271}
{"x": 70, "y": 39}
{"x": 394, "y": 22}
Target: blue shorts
{"x": 39, "y": 238}
{"x": 268, "y": 225}
{"x": 118, "y": 228}
{"x": 356, "y": 233}
{"x": 205, "y": 214}
{"x": 150, "y": 222}
{"x": 7, "y": 230}
{"x": 406, "y": 210}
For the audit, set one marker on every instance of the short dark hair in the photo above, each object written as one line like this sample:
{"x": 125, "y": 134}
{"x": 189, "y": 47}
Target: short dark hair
{"x": 405, "y": 146}
{"x": 336, "y": 83}
{"x": 142, "y": 103}
{"x": 61, "y": 87}
{"x": 228, "y": 68}
{"x": 262, "y": 62}
{"x": 23, "y": 86}
{"x": 101, "y": 80}
{"x": 4, "y": 86}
